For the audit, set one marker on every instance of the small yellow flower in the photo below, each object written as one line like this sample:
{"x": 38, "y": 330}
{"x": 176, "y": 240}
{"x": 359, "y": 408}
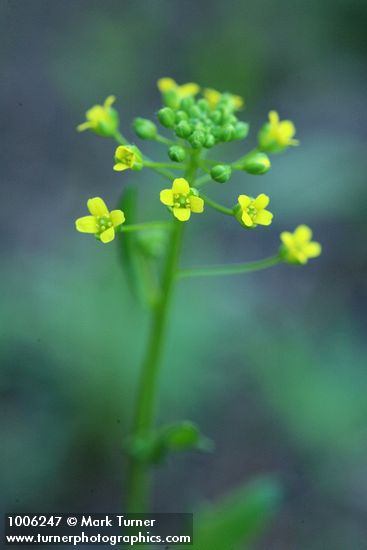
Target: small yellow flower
{"x": 277, "y": 135}
{"x": 297, "y": 247}
{"x": 103, "y": 120}
{"x": 184, "y": 90}
{"x": 213, "y": 97}
{"x": 182, "y": 199}
{"x": 102, "y": 222}
{"x": 251, "y": 212}
{"x": 127, "y": 156}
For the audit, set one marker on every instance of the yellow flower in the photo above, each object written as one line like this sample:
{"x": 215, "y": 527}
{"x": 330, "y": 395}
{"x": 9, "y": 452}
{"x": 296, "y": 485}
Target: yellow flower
{"x": 101, "y": 119}
{"x": 184, "y": 90}
{"x": 127, "y": 156}
{"x": 276, "y": 135}
{"x": 102, "y": 222}
{"x": 297, "y": 247}
{"x": 213, "y": 97}
{"x": 251, "y": 212}
{"x": 182, "y": 199}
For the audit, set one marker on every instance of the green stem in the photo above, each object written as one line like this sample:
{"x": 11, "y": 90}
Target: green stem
{"x": 173, "y": 165}
{"x": 164, "y": 140}
{"x": 234, "y": 269}
{"x": 139, "y": 471}
{"x": 120, "y": 138}
{"x": 217, "y": 206}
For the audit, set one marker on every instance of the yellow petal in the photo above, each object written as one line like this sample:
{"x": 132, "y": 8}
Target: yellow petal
{"x": 119, "y": 167}
{"x": 109, "y": 101}
{"x": 244, "y": 201}
{"x": 196, "y": 204}
{"x": 247, "y": 219}
{"x": 212, "y": 96}
{"x": 87, "y": 224}
{"x": 313, "y": 249}
{"x": 121, "y": 152}
{"x": 180, "y": 186}
{"x": 261, "y": 201}
{"x": 97, "y": 206}
{"x": 166, "y": 84}
{"x": 301, "y": 257}
{"x": 189, "y": 89}
{"x": 238, "y": 102}
{"x": 108, "y": 235}
{"x": 166, "y": 197}
{"x": 182, "y": 214}
{"x": 264, "y": 217}
{"x": 273, "y": 118}
{"x": 287, "y": 238}
{"x": 303, "y": 234}
{"x": 117, "y": 217}
{"x": 286, "y": 130}
{"x": 84, "y": 126}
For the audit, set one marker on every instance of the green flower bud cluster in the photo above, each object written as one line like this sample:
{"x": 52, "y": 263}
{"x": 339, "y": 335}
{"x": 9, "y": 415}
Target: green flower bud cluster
{"x": 202, "y": 125}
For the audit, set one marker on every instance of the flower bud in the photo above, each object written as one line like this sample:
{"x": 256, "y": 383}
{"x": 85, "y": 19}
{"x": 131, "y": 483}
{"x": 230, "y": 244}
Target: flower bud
{"x": 227, "y": 132}
{"x": 216, "y": 117}
{"x": 171, "y": 99}
{"x": 166, "y": 117}
{"x": 209, "y": 141}
{"x": 187, "y": 102}
{"x": 194, "y": 111}
{"x": 183, "y": 129}
{"x": 181, "y": 115}
{"x": 144, "y": 128}
{"x": 241, "y": 130}
{"x": 197, "y": 139}
{"x": 256, "y": 163}
{"x": 177, "y": 153}
{"x": 221, "y": 173}
{"x": 203, "y": 105}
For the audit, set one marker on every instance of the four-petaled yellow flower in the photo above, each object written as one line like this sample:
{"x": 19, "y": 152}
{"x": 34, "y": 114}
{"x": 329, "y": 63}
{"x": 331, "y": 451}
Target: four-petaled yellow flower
{"x": 127, "y": 156}
{"x": 184, "y": 90}
{"x": 276, "y": 135}
{"x": 102, "y": 222}
{"x": 182, "y": 199}
{"x": 103, "y": 120}
{"x": 251, "y": 212}
{"x": 213, "y": 97}
{"x": 297, "y": 247}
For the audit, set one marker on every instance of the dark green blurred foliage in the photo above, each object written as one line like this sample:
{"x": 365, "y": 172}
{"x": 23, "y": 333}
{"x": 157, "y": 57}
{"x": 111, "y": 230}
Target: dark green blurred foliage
{"x": 273, "y": 367}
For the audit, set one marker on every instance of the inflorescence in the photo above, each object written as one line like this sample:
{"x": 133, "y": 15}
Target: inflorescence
{"x": 198, "y": 123}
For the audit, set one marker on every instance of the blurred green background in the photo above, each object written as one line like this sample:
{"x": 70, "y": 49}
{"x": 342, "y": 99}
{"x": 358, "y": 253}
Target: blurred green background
{"x": 274, "y": 365}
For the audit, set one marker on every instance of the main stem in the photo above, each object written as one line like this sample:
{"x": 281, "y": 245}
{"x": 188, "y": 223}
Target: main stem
{"x": 139, "y": 471}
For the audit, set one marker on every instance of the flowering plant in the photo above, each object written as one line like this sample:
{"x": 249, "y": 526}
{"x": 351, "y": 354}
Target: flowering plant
{"x": 198, "y": 122}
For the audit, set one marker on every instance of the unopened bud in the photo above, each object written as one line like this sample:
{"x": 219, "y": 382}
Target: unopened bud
{"x": 221, "y": 173}
{"x": 177, "y": 153}
{"x": 241, "y": 130}
{"x": 197, "y": 139}
{"x": 144, "y": 128}
{"x": 167, "y": 117}
{"x": 183, "y": 129}
{"x": 256, "y": 163}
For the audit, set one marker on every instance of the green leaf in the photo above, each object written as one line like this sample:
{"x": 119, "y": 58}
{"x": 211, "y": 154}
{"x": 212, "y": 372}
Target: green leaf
{"x": 137, "y": 259}
{"x": 155, "y": 447}
{"x": 185, "y": 436}
{"x": 238, "y": 519}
